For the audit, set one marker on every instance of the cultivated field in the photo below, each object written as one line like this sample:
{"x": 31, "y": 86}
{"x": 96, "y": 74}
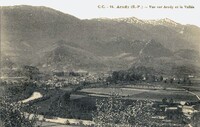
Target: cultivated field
{"x": 142, "y": 93}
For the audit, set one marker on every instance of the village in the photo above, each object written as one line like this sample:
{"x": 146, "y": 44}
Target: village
{"x": 174, "y": 100}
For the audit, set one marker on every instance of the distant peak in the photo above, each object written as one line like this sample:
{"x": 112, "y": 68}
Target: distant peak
{"x": 131, "y": 20}
{"x": 167, "y": 20}
{"x": 134, "y": 20}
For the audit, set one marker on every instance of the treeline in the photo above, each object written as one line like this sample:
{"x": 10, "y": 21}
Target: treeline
{"x": 179, "y": 75}
{"x": 140, "y": 73}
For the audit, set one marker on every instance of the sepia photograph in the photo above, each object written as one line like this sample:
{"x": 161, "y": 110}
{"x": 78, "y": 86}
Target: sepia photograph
{"x": 99, "y": 63}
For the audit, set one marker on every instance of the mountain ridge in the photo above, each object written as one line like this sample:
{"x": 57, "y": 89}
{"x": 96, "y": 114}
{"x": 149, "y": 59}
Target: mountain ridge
{"x": 28, "y": 30}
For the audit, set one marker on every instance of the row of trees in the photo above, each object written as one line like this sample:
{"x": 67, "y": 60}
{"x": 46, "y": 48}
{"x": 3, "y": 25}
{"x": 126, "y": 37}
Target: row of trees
{"x": 148, "y": 74}
{"x": 134, "y": 74}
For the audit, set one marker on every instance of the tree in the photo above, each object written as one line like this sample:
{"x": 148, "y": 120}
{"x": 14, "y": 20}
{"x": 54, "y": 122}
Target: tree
{"x": 115, "y": 75}
{"x": 30, "y": 71}
{"x": 179, "y": 81}
{"x": 164, "y": 100}
{"x": 171, "y": 80}
{"x": 161, "y": 78}
{"x": 113, "y": 112}
{"x": 184, "y": 71}
{"x": 11, "y": 115}
{"x": 195, "y": 120}
{"x": 184, "y": 80}
{"x": 171, "y": 101}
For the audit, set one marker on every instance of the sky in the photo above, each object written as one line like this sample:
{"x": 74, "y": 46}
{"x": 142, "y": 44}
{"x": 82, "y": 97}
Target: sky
{"x": 87, "y": 9}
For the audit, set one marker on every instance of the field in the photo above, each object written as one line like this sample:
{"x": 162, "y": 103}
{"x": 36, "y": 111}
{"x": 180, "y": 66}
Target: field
{"x": 81, "y": 104}
{"x": 142, "y": 93}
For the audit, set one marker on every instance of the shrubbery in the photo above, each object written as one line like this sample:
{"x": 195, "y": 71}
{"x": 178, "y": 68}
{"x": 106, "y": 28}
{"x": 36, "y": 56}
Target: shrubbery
{"x": 113, "y": 112}
{"x": 11, "y": 115}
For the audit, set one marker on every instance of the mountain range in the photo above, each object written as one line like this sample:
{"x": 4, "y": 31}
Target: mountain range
{"x": 50, "y": 39}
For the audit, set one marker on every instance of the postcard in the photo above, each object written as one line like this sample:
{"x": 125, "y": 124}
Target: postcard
{"x": 99, "y": 63}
